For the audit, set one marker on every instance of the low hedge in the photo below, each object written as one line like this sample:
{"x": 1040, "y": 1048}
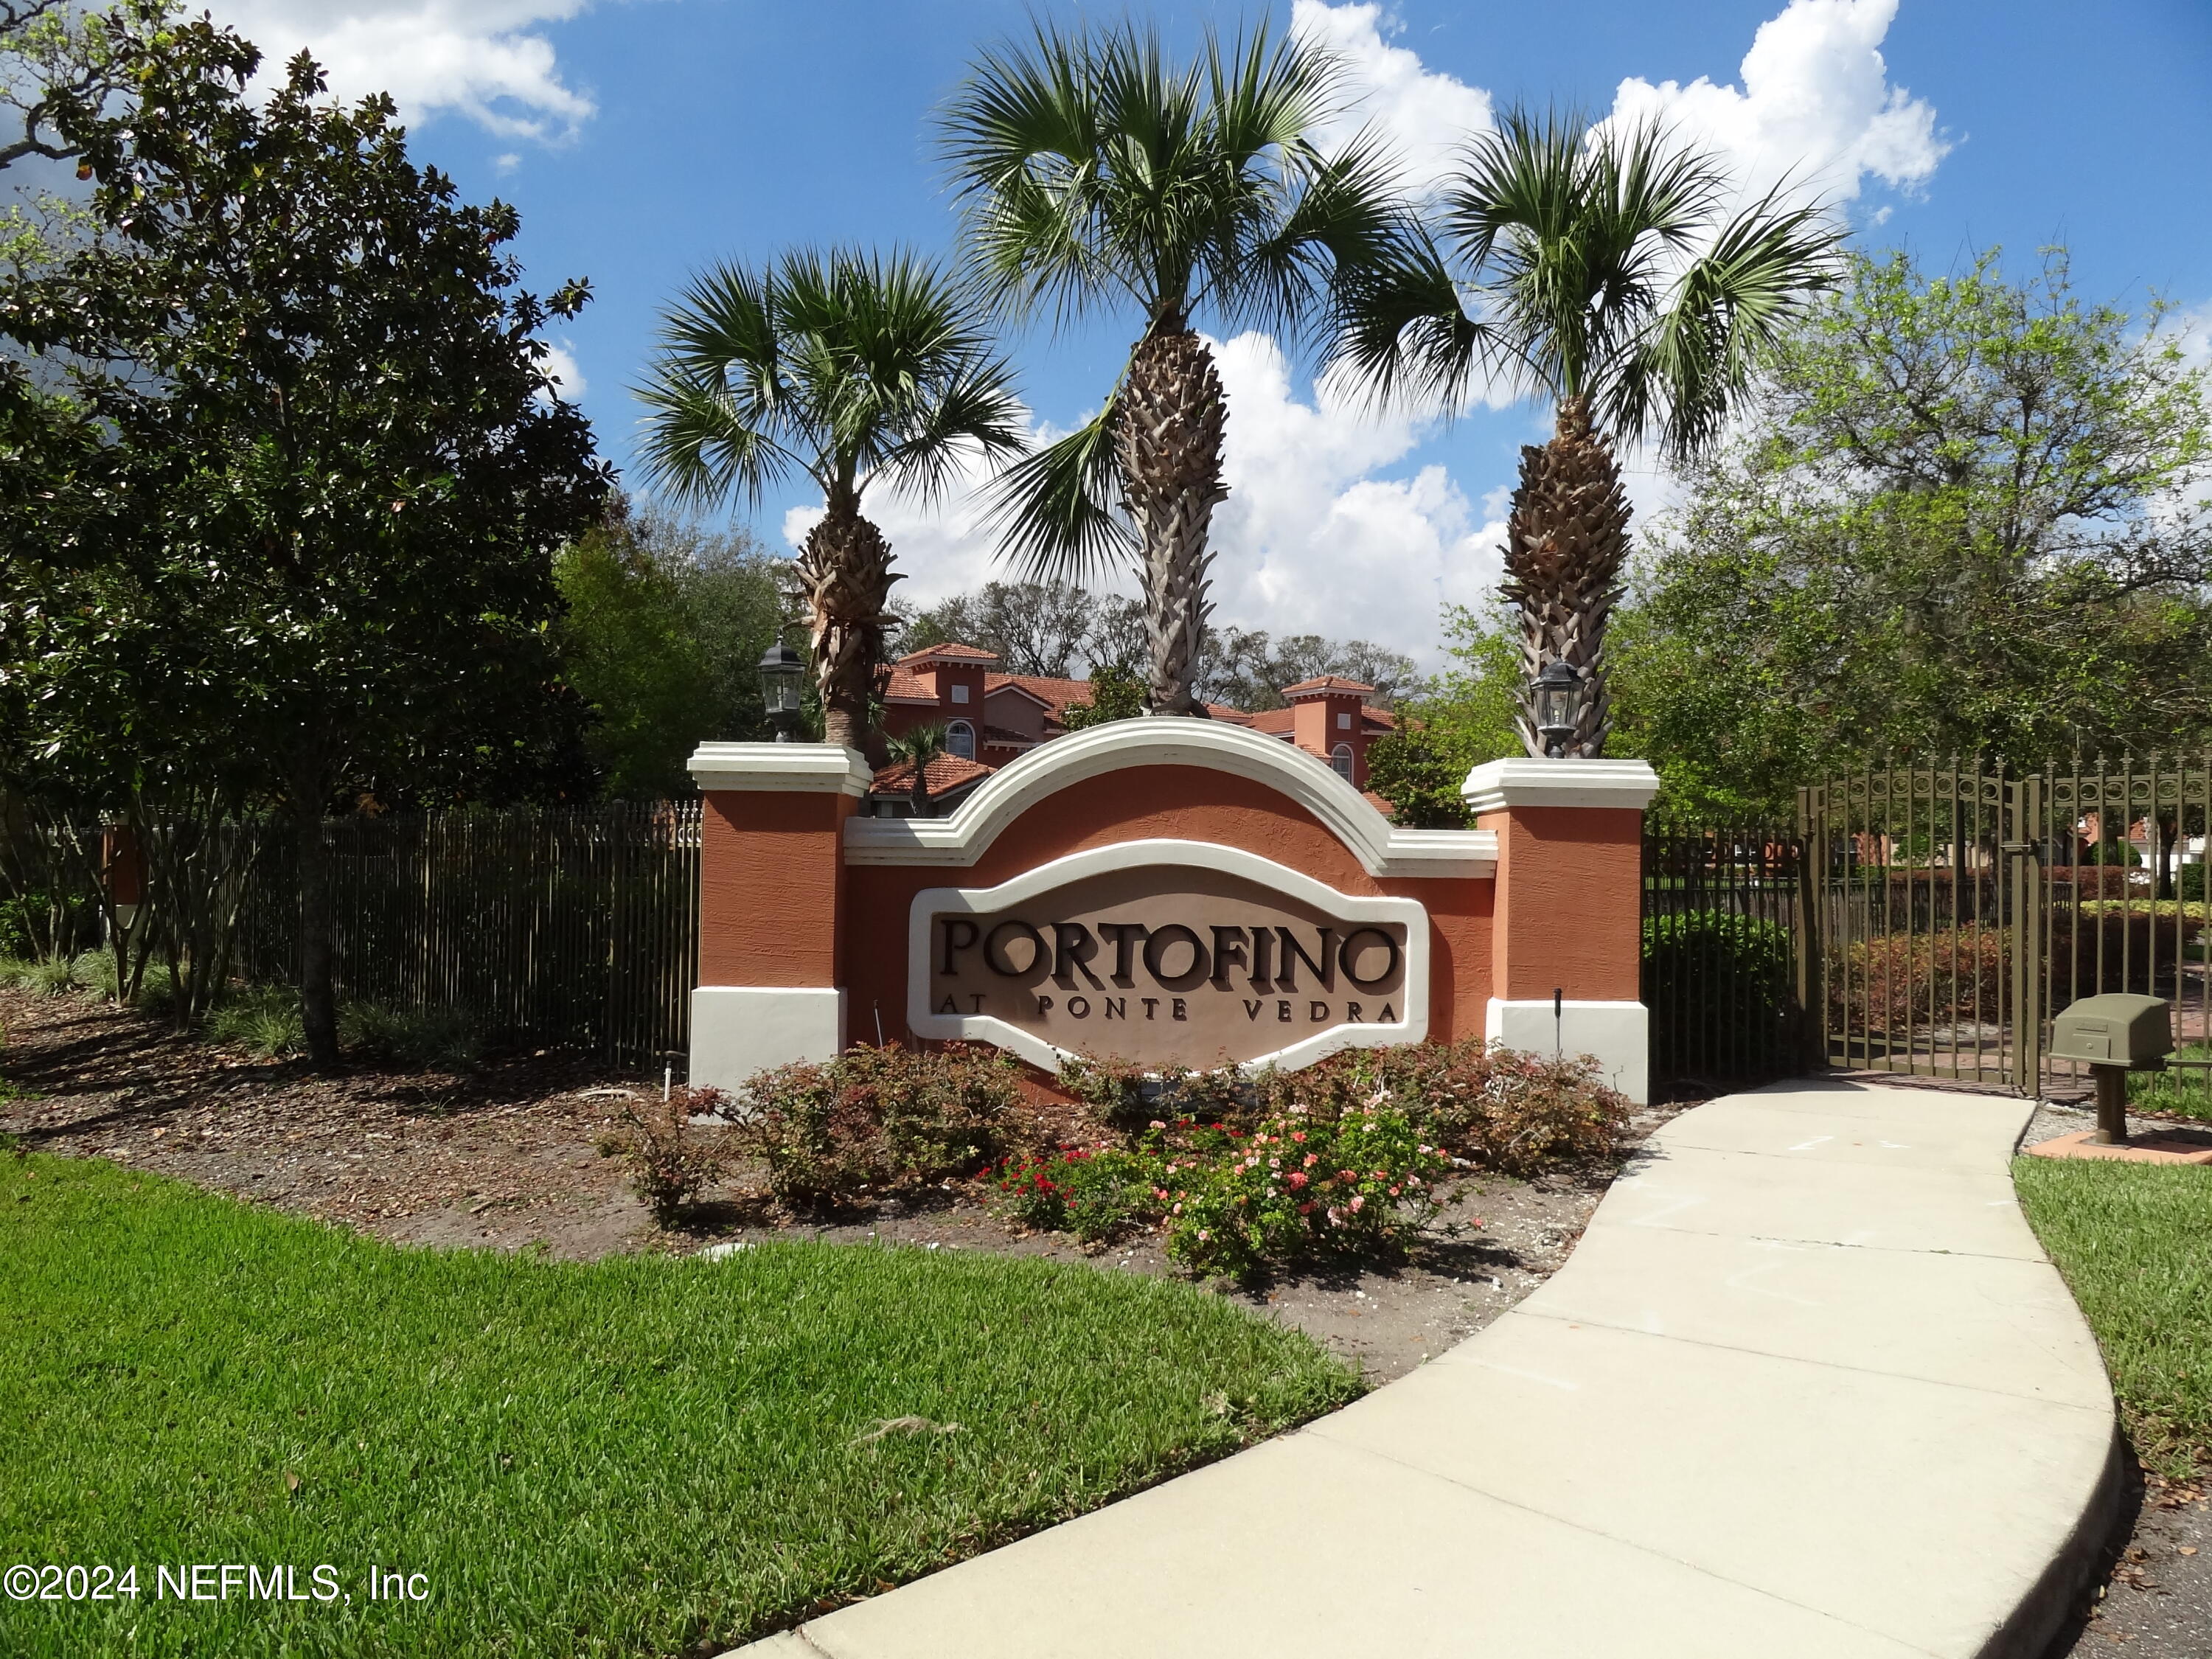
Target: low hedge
{"x": 1239, "y": 1169}
{"x": 1722, "y": 990}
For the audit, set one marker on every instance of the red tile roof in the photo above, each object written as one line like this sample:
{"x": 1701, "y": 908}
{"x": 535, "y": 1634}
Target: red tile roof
{"x": 1055, "y": 695}
{"x": 950, "y": 651}
{"x": 946, "y": 772}
{"x": 904, "y": 687}
{"x": 1004, "y": 737}
{"x": 1325, "y": 684}
{"x": 1275, "y": 722}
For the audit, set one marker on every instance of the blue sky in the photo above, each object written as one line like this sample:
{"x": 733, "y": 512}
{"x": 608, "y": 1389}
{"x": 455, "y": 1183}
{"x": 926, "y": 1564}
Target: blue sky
{"x": 642, "y": 139}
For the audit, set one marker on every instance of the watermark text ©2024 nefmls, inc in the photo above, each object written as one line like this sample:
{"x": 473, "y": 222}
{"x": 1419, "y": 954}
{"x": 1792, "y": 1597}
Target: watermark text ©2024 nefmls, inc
{"x": 212, "y": 1581}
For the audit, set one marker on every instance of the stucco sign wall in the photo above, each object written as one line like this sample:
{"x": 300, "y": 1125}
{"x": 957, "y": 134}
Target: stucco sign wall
{"x": 1167, "y": 952}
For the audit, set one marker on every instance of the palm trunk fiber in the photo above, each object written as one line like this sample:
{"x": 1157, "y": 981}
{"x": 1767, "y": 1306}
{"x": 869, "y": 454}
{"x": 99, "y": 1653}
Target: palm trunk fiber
{"x": 1564, "y": 546}
{"x": 845, "y": 568}
{"x": 1167, "y": 442}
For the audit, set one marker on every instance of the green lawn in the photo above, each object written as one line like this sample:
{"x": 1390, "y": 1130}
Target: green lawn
{"x": 2134, "y": 1242}
{"x": 640, "y": 1457}
{"x": 2185, "y": 1090}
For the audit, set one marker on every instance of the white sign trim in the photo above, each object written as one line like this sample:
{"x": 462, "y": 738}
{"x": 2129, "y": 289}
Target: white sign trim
{"x": 1410, "y": 913}
{"x": 1382, "y": 848}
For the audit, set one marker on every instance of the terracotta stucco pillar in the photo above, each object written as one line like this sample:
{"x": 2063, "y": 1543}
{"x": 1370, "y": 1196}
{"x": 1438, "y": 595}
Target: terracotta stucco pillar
{"x": 1566, "y": 939}
{"x": 771, "y": 905}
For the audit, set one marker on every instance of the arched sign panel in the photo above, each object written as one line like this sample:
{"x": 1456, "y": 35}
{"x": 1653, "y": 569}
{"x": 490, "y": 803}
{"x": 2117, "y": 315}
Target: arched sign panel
{"x": 1167, "y": 953}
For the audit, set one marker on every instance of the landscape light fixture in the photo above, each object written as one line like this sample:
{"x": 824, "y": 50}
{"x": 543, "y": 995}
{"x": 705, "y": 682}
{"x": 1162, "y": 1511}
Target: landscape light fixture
{"x": 781, "y": 669}
{"x": 1559, "y": 704}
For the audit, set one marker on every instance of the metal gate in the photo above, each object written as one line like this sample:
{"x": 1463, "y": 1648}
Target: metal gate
{"x": 1919, "y": 936}
{"x": 1947, "y": 910}
{"x": 1929, "y": 918}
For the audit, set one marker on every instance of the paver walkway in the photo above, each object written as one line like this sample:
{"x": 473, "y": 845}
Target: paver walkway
{"x": 1807, "y": 1388}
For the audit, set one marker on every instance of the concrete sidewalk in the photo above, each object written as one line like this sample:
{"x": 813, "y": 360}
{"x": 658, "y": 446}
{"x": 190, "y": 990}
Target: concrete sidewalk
{"x": 1807, "y": 1387}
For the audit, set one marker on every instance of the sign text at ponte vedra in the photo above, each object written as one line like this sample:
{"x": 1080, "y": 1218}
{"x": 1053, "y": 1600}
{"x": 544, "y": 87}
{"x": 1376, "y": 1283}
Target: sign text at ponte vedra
{"x": 1168, "y": 953}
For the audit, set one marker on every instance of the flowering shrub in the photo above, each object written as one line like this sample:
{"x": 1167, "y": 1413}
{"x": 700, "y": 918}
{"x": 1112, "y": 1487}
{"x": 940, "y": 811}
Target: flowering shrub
{"x": 1300, "y": 1183}
{"x": 1496, "y": 1109}
{"x": 1096, "y": 1194}
{"x": 875, "y": 1120}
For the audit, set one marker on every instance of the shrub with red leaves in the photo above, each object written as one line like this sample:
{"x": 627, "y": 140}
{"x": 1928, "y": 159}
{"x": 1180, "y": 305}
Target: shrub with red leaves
{"x": 874, "y": 1122}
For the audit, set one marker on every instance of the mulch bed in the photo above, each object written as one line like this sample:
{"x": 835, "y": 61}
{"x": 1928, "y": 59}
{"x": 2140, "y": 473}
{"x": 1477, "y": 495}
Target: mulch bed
{"x": 508, "y": 1154}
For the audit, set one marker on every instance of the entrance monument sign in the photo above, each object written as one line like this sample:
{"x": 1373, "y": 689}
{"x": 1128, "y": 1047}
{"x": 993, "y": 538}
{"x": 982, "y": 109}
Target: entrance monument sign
{"x": 1170, "y": 892}
{"x": 1169, "y": 953}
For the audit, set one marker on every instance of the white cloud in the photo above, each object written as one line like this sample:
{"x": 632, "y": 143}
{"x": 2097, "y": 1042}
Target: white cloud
{"x": 1815, "y": 105}
{"x": 1308, "y": 541}
{"x": 2192, "y": 328}
{"x": 1427, "y": 116}
{"x": 477, "y": 58}
{"x": 561, "y": 363}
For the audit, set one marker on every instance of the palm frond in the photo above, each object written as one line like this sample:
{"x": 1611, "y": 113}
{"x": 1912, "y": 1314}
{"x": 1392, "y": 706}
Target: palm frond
{"x": 1571, "y": 238}
{"x": 1056, "y": 509}
{"x": 1400, "y": 330}
{"x": 850, "y": 364}
{"x": 1727, "y": 312}
{"x": 1090, "y": 167}
{"x": 699, "y": 446}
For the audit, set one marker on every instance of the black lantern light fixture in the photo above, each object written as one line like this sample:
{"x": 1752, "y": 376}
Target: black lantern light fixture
{"x": 781, "y": 669}
{"x": 1558, "y": 701}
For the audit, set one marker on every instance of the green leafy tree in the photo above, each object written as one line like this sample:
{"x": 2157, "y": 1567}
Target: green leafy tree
{"x": 1097, "y": 173}
{"x": 317, "y": 470}
{"x": 1597, "y": 267}
{"x": 1117, "y": 693}
{"x": 1968, "y": 514}
{"x": 853, "y": 370}
{"x": 626, "y": 646}
{"x": 1416, "y": 773}
{"x": 662, "y": 638}
{"x": 54, "y": 57}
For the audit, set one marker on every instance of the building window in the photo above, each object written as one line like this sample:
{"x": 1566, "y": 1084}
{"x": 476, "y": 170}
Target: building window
{"x": 1343, "y": 722}
{"x": 960, "y": 739}
{"x": 1341, "y": 758}
{"x": 959, "y": 694}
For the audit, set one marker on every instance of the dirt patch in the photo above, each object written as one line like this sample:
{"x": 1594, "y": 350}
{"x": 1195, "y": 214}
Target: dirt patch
{"x": 508, "y": 1154}
{"x": 510, "y": 1145}
{"x": 2155, "y": 1600}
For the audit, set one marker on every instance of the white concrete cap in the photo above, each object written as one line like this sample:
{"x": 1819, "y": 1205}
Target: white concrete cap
{"x": 785, "y": 767}
{"x": 1524, "y": 781}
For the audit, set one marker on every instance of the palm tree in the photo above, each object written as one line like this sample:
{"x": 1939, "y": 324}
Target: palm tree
{"x": 853, "y": 369}
{"x": 1598, "y": 269}
{"x": 921, "y": 745}
{"x": 1094, "y": 173}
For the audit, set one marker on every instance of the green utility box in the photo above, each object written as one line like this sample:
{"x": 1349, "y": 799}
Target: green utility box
{"x": 2115, "y": 1029}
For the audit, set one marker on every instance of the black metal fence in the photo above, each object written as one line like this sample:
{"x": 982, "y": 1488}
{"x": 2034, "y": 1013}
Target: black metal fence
{"x": 571, "y": 927}
{"x": 1929, "y": 918}
{"x": 1720, "y": 960}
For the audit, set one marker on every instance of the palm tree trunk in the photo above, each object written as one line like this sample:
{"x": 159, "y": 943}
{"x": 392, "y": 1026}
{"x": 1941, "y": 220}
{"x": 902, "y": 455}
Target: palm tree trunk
{"x": 1167, "y": 441}
{"x": 1565, "y": 542}
{"x": 845, "y": 568}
